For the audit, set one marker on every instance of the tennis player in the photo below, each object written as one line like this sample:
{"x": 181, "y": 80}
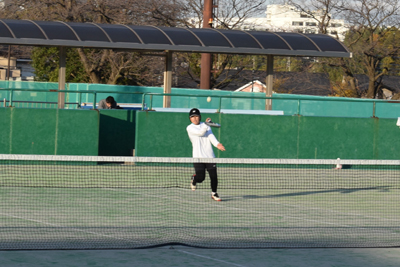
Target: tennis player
{"x": 202, "y": 137}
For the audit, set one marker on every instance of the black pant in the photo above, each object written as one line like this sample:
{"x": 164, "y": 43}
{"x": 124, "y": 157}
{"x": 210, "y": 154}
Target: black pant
{"x": 200, "y": 169}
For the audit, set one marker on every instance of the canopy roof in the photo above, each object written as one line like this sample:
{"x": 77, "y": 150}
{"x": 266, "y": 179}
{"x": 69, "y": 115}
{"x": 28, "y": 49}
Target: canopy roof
{"x": 158, "y": 39}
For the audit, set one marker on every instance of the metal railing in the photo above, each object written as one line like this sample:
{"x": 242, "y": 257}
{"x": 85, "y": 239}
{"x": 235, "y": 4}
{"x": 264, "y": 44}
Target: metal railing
{"x": 37, "y": 104}
{"x": 11, "y": 100}
{"x": 150, "y": 98}
{"x": 276, "y": 97}
{"x": 151, "y": 95}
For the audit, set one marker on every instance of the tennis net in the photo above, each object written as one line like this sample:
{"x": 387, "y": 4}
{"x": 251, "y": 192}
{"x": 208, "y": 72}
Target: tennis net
{"x": 83, "y": 202}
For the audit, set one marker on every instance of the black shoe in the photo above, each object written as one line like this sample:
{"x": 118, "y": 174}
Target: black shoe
{"x": 192, "y": 183}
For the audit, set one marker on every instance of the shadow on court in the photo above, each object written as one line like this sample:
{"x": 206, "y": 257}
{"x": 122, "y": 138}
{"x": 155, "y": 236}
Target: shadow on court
{"x": 339, "y": 190}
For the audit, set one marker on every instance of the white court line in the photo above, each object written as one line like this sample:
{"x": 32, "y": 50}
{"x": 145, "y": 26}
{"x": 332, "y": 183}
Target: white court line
{"x": 57, "y": 225}
{"x": 320, "y": 209}
{"x": 234, "y": 208}
{"x": 245, "y": 210}
{"x": 329, "y": 210}
{"x": 201, "y": 256}
{"x": 204, "y": 203}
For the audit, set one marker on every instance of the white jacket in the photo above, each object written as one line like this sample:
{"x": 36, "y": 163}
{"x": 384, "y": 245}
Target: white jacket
{"x": 202, "y": 137}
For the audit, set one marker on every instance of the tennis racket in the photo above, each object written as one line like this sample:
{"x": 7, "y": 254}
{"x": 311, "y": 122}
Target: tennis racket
{"x": 212, "y": 124}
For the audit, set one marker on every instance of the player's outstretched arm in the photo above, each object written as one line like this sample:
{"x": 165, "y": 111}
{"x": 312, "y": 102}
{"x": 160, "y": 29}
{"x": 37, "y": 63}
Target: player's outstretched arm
{"x": 221, "y": 147}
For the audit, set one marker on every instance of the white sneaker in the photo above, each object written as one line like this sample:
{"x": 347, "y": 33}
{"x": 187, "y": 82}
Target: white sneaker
{"x": 192, "y": 186}
{"x": 215, "y": 197}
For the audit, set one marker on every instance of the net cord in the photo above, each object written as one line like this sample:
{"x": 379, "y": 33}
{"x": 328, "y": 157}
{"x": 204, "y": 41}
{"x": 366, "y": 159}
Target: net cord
{"x": 195, "y": 160}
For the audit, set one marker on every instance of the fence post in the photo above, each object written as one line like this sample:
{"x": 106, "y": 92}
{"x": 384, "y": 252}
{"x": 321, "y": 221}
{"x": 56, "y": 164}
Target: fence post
{"x": 143, "y": 100}
{"x": 151, "y": 102}
{"x": 94, "y": 100}
{"x": 374, "y": 110}
{"x": 11, "y": 97}
{"x": 79, "y": 99}
{"x": 269, "y": 82}
{"x": 298, "y": 106}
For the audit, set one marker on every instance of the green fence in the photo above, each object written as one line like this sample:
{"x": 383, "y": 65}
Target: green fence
{"x": 117, "y": 132}
{"x": 67, "y": 132}
{"x": 38, "y": 95}
{"x": 336, "y": 106}
{"x": 326, "y": 128}
{"x": 163, "y": 134}
{"x": 49, "y": 131}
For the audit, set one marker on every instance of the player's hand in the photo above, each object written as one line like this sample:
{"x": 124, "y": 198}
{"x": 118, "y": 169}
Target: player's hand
{"x": 221, "y": 147}
{"x": 208, "y": 119}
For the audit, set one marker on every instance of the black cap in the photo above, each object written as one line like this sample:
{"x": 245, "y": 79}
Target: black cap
{"x": 194, "y": 112}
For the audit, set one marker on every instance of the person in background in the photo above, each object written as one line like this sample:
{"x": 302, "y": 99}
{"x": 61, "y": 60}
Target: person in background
{"x": 108, "y": 103}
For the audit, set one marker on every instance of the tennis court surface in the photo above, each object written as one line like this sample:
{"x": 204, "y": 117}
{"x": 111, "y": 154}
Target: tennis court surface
{"x": 66, "y": 202}
{"x": 180, "y": 256}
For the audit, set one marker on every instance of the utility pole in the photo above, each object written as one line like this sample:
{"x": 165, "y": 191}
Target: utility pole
{"x": 8, "y": 64}
{"x": 205, "y": 75}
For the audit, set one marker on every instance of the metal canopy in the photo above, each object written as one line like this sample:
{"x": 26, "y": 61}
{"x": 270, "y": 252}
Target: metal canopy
{"x": 157, "y": 39}
{"x": 167, "y": 40}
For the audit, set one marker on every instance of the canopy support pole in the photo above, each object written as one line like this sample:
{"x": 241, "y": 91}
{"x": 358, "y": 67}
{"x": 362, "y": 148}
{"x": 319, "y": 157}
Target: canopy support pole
{"x": 269, "y": 81}
{"x": 61, "y": 76}
{"x": 167, "y": 79}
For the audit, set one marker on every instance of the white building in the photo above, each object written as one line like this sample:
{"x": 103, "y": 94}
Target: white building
{"x": 286, "y": 18}
{"x": 20, "y": 69}
{"x": 289, "y": 19}
{"x": 254, "y": 86}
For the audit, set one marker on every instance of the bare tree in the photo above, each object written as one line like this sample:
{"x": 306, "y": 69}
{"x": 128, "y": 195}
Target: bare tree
{"x": 228, "y": 14}
{"x": 372, "y": 25}
{"x": 103, "y": 66}
{"x": 372, "y": 41}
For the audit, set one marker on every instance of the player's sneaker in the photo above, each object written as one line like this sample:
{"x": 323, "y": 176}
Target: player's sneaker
{"x": 215, "y": 197}
{"x": 192, "y": 184}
